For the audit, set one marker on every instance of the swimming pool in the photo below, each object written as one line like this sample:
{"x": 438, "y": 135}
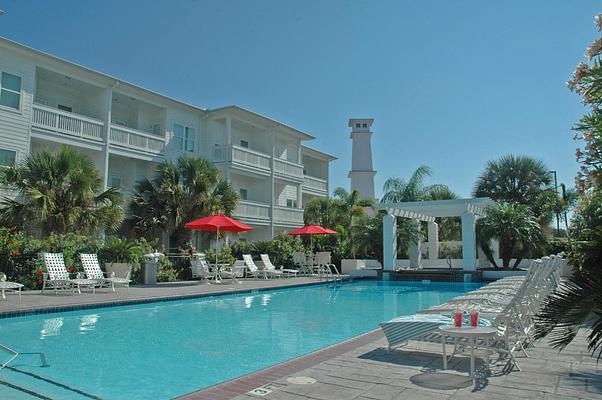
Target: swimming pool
{"x": 161, "y": 350}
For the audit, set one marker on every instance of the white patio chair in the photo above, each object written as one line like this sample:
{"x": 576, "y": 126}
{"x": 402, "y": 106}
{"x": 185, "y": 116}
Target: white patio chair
{"x": 57, "y": 276}
{"x": 93, "y": 272}
{"x": 322, "y": 262}
{"x": 267, "y": 263}
{"x": 200, "y": 268}
{"x": 252, "y": 269}
{"x": 302, "y": 260}
{"x": 270, "y": 271}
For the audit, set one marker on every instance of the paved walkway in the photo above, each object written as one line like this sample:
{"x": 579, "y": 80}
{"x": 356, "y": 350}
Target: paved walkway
{"x": 370, "y": 372}
{"x": 49, "y": 301}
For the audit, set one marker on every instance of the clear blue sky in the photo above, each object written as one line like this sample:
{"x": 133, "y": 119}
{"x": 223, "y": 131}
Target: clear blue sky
{"x": 450, "y": 84}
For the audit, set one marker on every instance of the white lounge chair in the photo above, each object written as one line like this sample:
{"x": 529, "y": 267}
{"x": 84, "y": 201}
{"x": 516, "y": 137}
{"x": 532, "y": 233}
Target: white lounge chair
{"x": 57, "y": 276}
{"x": 252, "y": 269}
{"x": 93, "y": 272}
{"x": 267, "y": 263}
{"x": 270, "y": 271}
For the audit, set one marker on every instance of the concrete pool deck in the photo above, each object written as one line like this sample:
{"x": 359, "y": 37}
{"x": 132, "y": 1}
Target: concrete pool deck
{"x": 35, "y": 302}
{"x": 371, "y": 372}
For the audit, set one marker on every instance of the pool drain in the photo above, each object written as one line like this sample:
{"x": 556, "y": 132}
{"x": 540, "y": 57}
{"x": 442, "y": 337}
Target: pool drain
{"x": 301, "y": 380}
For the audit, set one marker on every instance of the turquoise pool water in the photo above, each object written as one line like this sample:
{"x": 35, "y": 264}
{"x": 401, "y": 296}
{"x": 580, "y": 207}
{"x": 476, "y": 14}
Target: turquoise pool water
{"x": 162, "y": 350}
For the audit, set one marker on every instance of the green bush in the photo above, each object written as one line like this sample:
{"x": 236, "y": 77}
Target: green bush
{"x": 165, "y": 271}
{"x": 225, "y": 256}
{"x": 280, "y": 249}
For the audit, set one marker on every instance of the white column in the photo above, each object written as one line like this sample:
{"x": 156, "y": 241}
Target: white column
{"x": 300, "y": 196}
{"x": 469, "y": 241}
{"x": 415, "y": 254}
{"x": 228, "y": 131}
{"x": 105, "y": 150}
{"x": 272, "y": 183}
{"x": 433, "y": 240}
{"x": 389, "y": 242}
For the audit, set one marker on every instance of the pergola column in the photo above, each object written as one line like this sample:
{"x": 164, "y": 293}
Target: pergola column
{"x": 415, "y": 253}
{"x": 433, "y": 240}
{"x": 469, "y": 241}
{"x": 389, "y": 242}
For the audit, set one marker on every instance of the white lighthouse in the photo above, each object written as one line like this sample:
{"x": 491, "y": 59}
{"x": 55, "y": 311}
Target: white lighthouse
{"x": 362, "y": 174}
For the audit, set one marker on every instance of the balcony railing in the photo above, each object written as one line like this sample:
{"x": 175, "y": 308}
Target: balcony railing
{"x": 67, "y": 123}
{"x": 315, "y": 184}
{"x": 288, "y": 215}
{"x": 288, "y": 168}
{"x": 249, "y": 209}
{"x": 241, "y": 155}
{"x": 132, "y": 138}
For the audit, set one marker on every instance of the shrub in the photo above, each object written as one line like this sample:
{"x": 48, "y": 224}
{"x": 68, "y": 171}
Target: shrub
{"x": 280, "y": 249}
{"x": 165, "y": 271}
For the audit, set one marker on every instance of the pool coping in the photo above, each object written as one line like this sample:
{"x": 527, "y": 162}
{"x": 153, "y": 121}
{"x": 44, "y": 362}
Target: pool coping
{"x": 253, "y": 380}
{"x": 154, "y": 299}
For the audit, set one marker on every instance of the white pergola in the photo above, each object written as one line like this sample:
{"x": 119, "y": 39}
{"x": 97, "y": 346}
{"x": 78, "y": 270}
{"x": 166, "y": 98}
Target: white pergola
{"x": 467, "y": 209}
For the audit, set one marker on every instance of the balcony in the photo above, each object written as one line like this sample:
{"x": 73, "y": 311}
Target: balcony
{"x": 288, "y": 216}
{"x": 135, "y": 139}
{"x": 252, "y": 210}
{"x": 315, "y": 185}
{"x": 243, "y": 157}
{"x": 67, "y": 123}
{"x": 288, "y": 169}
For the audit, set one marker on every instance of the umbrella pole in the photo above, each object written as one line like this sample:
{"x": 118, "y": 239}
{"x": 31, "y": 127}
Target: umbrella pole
{"x": 216, "y": 247}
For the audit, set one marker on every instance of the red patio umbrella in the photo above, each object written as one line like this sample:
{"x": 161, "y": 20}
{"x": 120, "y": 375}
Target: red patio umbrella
{"x": 217, "y": 223}
{"x": 312, "y": 230}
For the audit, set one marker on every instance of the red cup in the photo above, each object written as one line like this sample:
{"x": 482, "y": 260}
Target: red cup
{"x": 458, "y": 317}
{"x": 474, "y": 319}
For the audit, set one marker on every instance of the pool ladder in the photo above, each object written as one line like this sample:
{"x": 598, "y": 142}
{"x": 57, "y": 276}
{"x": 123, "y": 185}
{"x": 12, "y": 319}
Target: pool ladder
{"x": 10, "y": 351}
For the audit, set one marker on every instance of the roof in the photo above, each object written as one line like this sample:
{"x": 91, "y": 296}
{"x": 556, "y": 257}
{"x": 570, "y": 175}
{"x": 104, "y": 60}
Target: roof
{"x": 320, "y": 154}
{"x": 237, "y": 109}
{"x": 429, "y": 210}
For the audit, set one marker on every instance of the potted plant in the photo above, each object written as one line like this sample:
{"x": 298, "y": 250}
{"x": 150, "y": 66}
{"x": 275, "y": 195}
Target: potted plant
{"x": 120, "y": 256}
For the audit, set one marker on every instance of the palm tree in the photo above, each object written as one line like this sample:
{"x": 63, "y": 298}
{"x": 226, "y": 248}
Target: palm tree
{"x": 180, "y": 192}
{"x": 397, "y": 190}
{"x": 60, "y": 192}
{"x": 519, "y": 179}
{"x": 516, "y": 229}
{"x": 352, "y": 204}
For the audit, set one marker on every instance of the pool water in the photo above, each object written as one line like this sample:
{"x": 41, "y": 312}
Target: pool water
{"x": 162, "y": 350}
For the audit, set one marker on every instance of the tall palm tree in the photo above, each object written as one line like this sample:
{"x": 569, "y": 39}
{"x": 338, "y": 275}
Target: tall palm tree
{"x": 61, "y": 192}
{"x": 519, "y": 179}
{"x": 180, "y": 192}
{"x": 397, "y": 190}
{"x": 516, "y": 229}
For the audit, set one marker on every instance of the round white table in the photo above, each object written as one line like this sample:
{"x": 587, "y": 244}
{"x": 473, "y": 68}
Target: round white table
{"x": 470, "y": 333}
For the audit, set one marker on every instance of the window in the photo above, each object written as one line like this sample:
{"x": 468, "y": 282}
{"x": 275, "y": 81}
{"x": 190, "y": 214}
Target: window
{"x": 364, "y": 125}
{"x": 243, "y": 194}
{"x": 244, "y": 143}
{"x": 116, "y": 182}
{"x": 291, "y": 203}
{"x": 7, "y": 157}
{"x": 64, "y": 108}
{"x": 10, "y": 91}
{"x": 358, "y": 125}
{"x": 184, "y": 137}
{"x": 156, "y": 129}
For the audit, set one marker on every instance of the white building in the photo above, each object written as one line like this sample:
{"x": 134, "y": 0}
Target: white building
{"x": 46, "y": 102}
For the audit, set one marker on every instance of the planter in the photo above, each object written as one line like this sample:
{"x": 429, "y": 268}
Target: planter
{"x": 494, "y": 275}
{"x": 121, "y": 270}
